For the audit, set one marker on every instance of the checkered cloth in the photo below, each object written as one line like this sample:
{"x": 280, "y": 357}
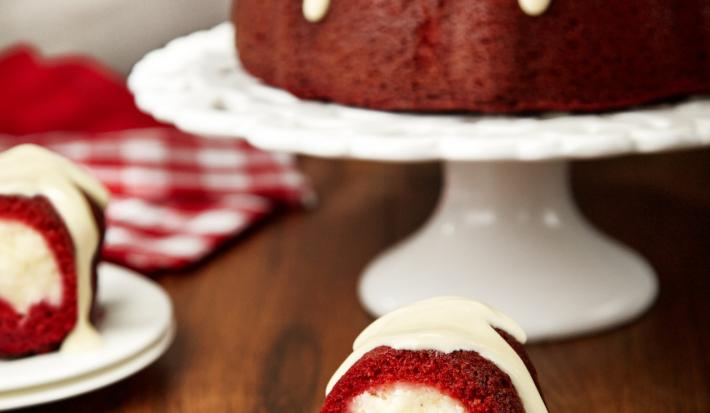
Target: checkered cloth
{"x": 176, "y": 196}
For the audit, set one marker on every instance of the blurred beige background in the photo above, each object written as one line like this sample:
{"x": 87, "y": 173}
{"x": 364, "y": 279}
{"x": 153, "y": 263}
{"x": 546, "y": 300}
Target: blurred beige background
{"x": 117, "y": 32}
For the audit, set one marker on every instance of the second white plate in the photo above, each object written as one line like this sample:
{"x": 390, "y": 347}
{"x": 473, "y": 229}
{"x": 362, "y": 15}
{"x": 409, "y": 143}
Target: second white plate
{"x": 137, "y": 316}
{"x": 85, "y": 383}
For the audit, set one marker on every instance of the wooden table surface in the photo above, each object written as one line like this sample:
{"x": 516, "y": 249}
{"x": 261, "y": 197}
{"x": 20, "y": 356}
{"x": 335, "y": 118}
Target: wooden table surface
{"x": 265, "y": 322}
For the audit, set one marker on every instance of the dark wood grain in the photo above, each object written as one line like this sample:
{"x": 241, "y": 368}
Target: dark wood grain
{"x": 264, "y": 323}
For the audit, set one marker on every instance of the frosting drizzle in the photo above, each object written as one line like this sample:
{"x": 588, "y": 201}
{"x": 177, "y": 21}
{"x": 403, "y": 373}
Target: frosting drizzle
{"x": 534, "y": 7}
{"x": 30, "y": 170}
{"x": 449, "y": 324}
{"x": 315, "y": 10}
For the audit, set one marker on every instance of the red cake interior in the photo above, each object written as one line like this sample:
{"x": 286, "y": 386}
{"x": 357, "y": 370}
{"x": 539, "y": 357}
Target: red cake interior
{"x": 44, "y": 327}
{"x": 477, "y": 383}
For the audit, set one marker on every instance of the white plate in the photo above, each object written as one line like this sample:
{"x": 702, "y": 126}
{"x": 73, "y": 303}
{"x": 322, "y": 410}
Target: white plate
{"x": 137, "y": 314}
{"x": 88, "y": 382}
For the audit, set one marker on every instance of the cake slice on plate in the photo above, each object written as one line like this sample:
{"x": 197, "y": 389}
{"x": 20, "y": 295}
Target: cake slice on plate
{"x": 444, "y": 355}
{"x": 51, "y": 230}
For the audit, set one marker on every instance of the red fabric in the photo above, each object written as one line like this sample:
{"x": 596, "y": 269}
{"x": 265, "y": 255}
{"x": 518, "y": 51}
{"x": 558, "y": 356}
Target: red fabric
{"x": 63, "y": 94}
{"x": 176, "y": 196}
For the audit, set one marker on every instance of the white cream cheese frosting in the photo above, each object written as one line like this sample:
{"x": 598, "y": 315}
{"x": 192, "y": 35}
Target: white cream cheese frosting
{"x": 30, "y": 170}
{"x": 449, "y": 324}
{"x": 405, "y": 398}
{"x": 315, "y": 10}
{"x": 534, "y": 7}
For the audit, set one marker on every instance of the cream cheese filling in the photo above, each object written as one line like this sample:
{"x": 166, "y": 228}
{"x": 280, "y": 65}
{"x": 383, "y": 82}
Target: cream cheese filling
{"x": 29, "y": 273}
{"x": 405, "y": 398}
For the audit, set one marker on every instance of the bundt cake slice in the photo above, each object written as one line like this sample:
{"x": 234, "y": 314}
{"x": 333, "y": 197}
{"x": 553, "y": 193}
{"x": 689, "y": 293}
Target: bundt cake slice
{"x": 444, "y": 355}
{"x": 51, "y": 226}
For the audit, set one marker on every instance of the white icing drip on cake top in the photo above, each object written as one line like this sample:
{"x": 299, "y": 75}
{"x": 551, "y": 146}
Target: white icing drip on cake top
{"x": 449, "y": 324}
{"x": 30, "y": 170}
{"x": 534, "y": 7}
{"x": 315, "y": 10}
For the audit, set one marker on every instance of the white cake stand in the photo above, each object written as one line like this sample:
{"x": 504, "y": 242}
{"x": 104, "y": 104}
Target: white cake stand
{"x": 506, "y": 230}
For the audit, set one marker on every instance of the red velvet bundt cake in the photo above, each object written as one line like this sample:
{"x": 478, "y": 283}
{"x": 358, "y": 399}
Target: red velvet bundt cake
{"x": 444, "y": 355}
{"x": 51, "y": 226}
{"x": 484, "y": 56}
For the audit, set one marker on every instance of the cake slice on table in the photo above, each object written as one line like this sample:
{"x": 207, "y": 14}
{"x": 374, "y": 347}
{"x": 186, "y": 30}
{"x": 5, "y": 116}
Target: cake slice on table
{"x": 443, "y": 355}
{"x": 51, "y": 230}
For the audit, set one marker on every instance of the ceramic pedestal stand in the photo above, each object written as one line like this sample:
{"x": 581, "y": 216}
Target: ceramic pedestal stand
{"x": 506, "y": 230}
{"x": 509, "y": 233}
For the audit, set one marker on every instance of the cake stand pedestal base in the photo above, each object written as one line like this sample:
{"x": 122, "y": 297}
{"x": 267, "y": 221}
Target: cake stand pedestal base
{"x": 509, "y": 233}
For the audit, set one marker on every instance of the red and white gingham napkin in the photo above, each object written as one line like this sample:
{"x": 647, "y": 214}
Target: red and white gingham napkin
{"x": 176, "y": 197}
